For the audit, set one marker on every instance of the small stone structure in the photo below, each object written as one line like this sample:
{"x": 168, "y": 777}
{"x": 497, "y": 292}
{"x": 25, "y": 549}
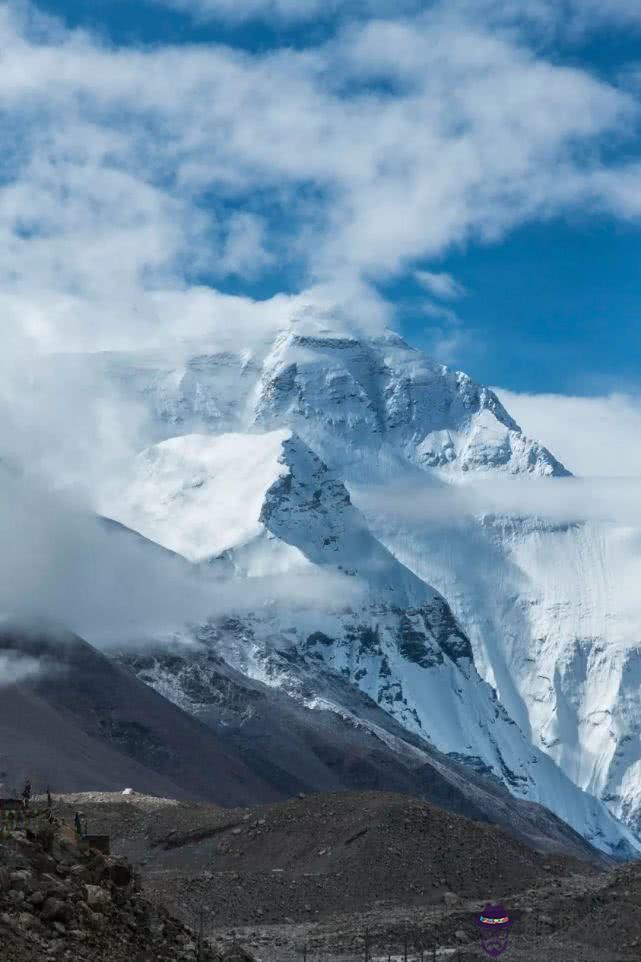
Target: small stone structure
{"x": 14, "y": 815}
{"x": 102, "y": 843}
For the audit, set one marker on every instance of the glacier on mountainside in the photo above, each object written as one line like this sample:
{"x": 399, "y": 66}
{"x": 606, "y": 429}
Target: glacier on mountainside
{"x": 260, "y": 503}
{"x": 546, "y": 607}
{"x": 539, "y": 601}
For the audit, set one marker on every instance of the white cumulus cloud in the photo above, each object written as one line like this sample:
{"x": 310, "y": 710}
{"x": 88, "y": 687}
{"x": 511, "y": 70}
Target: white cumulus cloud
{"x": 593, "y": 436}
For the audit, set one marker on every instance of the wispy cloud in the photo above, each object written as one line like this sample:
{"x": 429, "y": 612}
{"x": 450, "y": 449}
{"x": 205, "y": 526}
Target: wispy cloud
{"x": 568, "y": 14}
{"x": 440, "y": 284}
{"x": 594, "y": 436}
{"x": 562, "y": 501}
{"x": 445, "y": 335}
{"x": 110, "y": 585}
{"x": 15, "y": 668}
{"x": 289, "y": 10}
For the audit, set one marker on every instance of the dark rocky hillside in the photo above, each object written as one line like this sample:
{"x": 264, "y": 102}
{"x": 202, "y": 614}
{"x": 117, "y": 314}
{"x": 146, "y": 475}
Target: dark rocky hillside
{"x": 59, "y": 898}
{"x": 85, "y": 723}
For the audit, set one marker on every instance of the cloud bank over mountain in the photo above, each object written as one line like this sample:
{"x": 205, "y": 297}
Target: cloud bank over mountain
{"x": 138, "y": 179}
{"x": 592, "y": 435}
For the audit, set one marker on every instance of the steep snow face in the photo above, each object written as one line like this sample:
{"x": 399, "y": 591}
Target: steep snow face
{"x": 348, "y": 398}
{"x": 397, "y": 641}
{"x": 364, "y": 406}
{"x": 546, "y": 608}
{"x": 583, "y": 687}
{"x": 200, "y": 495}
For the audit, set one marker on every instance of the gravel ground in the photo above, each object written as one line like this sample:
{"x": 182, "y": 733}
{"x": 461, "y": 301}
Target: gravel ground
{"x": 321, "y": 871}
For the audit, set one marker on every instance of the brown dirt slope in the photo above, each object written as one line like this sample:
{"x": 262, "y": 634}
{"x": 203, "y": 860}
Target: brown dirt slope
{"x": 322, "y": 869}
{"x": 316, "y": 855}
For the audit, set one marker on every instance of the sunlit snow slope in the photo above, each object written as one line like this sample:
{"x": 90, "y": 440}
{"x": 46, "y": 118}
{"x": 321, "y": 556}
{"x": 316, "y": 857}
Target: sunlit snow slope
{"x": 363, "y": 405}
{"x": 264, "y": 503}
{"x": 548, "y": 610}
{"x": 541, "y": 604}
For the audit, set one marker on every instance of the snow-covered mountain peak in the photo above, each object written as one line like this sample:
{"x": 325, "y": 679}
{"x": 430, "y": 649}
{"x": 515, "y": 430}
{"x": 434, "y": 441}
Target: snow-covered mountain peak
{"x": 262, "y": 485}
{"x": 345, "y": 395}
{"x": 365, "y": 404}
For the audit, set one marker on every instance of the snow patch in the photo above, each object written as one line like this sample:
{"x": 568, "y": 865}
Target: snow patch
{"x": 200, "y": 495}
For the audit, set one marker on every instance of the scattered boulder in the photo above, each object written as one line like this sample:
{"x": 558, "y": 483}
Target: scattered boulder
{"x": 54, "y": 910}
{"x": 60, "y": 900}
{"x": 120, "y": 874}
{"x": 97, "y": 898}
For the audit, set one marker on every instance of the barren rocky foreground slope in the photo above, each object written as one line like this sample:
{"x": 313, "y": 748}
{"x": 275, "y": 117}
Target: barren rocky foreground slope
{"x": 61, "y": 898}
{"x": 321, "y": 871}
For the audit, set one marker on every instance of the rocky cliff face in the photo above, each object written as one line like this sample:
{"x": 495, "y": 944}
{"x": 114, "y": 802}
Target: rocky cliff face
{"x": 60, "y": 897}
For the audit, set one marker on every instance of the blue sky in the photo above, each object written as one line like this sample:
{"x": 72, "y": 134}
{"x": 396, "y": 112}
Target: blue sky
{"x": 554, "y": 307}
{"x": 349, "y": 158}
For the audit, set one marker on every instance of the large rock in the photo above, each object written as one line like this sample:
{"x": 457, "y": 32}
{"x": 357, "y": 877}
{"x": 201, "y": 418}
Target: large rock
{"x": 21, "y": 880}
{"x": 120, "y": 874}
{"x": 98, "y": 899}
{"x": 55, "y": 910}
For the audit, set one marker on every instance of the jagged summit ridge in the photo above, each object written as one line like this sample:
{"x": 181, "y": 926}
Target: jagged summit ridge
{"x": 377, "y": 395}
{"x": 385, "y": 394}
